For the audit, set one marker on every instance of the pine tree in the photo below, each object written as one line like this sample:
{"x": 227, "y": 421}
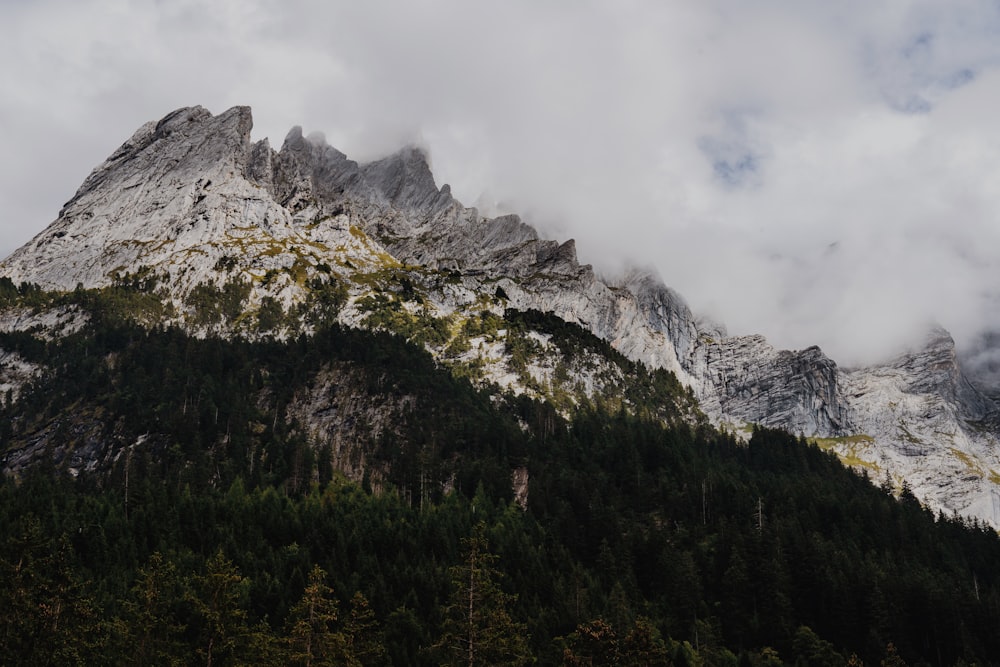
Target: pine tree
{"x": 891, "y": 658}
{"x": 593, "y": 643}
{"x": 643, "y": 645}
{"x": 478, "y": 629}
{"x": 46, "y": 617}
{"x": 149, "y": 621}
{"x": 218, "y": 602}
{"x": 362, "y": 634}
{"x": 810, "y": 649}
{"x": 312, "y": 632}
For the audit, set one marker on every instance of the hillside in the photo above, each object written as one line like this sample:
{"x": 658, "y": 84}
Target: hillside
{"x": 610, "y": 536}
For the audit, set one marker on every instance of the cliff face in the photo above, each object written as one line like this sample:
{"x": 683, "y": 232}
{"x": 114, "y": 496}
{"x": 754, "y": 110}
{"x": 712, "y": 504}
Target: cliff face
{"x": 930, "y": 427}
{"x": 191, "y": 201}
{"x": 746, "y": 380}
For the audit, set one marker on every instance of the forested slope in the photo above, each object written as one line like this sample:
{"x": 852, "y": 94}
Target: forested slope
{"x": 214, "y": 530}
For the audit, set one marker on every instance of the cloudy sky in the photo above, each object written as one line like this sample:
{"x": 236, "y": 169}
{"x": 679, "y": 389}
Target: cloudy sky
{"x": 820, "y": 172}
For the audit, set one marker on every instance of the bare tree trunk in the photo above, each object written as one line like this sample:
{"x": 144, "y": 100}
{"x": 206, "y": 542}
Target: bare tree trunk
{"x": 472, "y": 589}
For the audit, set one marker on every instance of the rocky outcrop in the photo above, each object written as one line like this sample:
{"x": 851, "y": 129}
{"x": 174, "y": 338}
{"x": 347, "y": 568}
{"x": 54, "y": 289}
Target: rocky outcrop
{"x": 336, "y": 414}
{"x": 173, "y": 190}
{"x": 76, "y": 442}
{"x": 746, "y": 380}
{"x": 981, "y": 362}
{"x": 928, "y": 426}
{"x": 15, "y": 372}
{"x": 405, "y": 182}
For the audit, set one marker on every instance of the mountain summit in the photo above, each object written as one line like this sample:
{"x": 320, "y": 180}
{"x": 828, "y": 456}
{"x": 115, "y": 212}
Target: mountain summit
{"x": 193, "y": 210}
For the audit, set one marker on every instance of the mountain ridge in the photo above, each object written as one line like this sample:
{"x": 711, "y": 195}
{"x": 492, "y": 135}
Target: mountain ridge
{"x": 191, "y": 201}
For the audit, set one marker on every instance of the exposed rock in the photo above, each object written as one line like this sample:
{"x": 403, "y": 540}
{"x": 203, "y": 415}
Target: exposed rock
{"x": 335, "y": 414}
{"x": 46, "y": 323}
{"x": 746, "y": 380}
{"x": 929, "y": 426}
{"x": 75, "y": 442}
{"x": 404, "y": 179}
{"x": 666, "y": 311}
{"x": 177, "y": 187}
{"x": 15, "y": 372}
{"x": 981, "y": 362}
{"x": 519, "y": 483}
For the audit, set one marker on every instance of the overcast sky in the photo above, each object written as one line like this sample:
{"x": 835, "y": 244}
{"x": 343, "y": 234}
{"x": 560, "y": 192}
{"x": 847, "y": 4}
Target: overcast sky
{"x": 820, "y": 172}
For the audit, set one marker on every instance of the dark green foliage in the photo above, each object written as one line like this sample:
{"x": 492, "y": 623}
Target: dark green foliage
{"x": 270, "y": 315}
{"x": 219, "y": 624}
{"x": 150, "y": 630}
{"x": 226, "y": 263}
{"x": 323, "y": 300}
{"x": 643, "y": 542}
{"x": 47, "y": 617}
{"x": 213, "y": 305}
{"x": 568, "y": 337}
{"x": 664, "y": 552}
{"x": 26, "y": 295}
{"x": 656, "y": 394}
{"x": 312, "y": 625}
{"x": 485, "y": 324}
{"x": 477, "y": 627}
{"x": 388, "y": 311}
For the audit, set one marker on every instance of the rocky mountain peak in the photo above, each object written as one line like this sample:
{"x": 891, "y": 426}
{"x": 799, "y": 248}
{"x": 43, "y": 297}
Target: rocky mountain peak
{"x": 405, "y": 180}
{"x": 934, "y": 365}
{"x": 666, "y": 307}
{"x": 934, "y": 369}
{"x": 981, "y": 361}
{"x": 308, "y": 171}
{"x": 172, "y": 186}
{"x": 191, "y": 136}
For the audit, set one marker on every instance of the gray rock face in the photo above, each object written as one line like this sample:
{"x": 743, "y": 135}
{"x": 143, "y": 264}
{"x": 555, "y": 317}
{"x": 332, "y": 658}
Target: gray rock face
{"x": 350, "y": 421}
{"x": 981, "y": 361}
{"x": 928, "y": 426}
{"x": 396, "y": 201}
{"x": 190, "y": 194}
{"x": 665, "y": 309}
{"x": 749, "y": 381}
{"x": 174, "y": 185}
{"x": 405, "y": 181}
{"x": 307, "y": 172}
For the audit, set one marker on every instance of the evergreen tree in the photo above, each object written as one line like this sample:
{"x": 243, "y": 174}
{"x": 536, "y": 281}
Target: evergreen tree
{"x": 312, "y": 622}
{"x": 218, "y": 599}
{"x": 811, "y": 651}
{"x": 46, "y": 616}
{"x": 593, "y": 643}
{"x": 478, "y": 628}
{"x": 643, "y": 645}
{"x": 891, "y": 657}
{"x": 152, "y": 633}
{"x": 363, "y": 635}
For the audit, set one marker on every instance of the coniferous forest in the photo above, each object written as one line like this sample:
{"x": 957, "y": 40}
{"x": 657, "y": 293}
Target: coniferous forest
{"x": 217, "y": 534}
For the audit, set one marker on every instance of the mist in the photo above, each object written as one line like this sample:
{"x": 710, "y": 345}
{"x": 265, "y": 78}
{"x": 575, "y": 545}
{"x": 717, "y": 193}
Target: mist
{"x": 824, "y": 175}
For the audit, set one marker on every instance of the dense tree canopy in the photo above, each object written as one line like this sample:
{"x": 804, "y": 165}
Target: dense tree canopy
{"x": 214, "y": 532}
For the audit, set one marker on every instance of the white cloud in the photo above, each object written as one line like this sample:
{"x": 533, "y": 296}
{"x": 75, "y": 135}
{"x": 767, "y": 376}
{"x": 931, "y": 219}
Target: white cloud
{"x": 819, "y": 172}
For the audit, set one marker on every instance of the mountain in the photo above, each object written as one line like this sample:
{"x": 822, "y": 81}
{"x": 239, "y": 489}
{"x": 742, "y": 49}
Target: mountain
{"x": 277, "y": 407}
{"x": 236, "y": 239}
